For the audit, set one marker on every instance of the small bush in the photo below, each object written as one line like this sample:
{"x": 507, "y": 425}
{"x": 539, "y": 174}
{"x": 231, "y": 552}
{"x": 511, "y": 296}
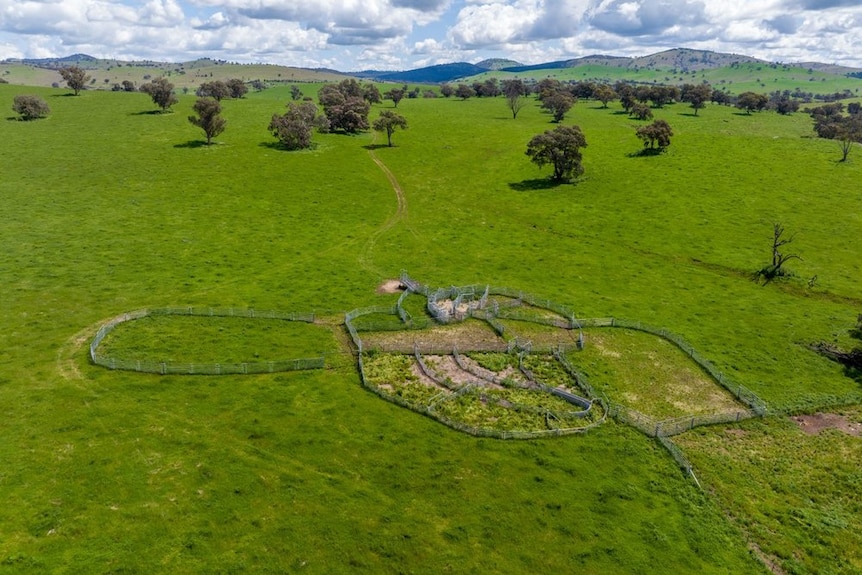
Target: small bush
{"x": 30, "y": 107}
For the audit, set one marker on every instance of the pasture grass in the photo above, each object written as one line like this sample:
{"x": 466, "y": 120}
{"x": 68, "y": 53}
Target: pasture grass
{"x": 197, "y": 339}
{"x": 795, "y": 495}
{"x": 649, "y": 374}
{"x": 106, "y": 207}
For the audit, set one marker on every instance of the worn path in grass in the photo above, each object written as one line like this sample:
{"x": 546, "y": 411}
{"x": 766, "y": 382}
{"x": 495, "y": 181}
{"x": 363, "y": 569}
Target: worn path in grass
{"x": 365, "y": 258}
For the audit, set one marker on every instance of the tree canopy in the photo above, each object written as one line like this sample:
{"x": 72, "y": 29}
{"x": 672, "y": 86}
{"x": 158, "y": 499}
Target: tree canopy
{"x": 464, "y": 91}
{"x": 388, "y": 122}
{"x": 751, "y": 102}
{"x": 558, "y": 104}
{"x": 208, "y": 117}
{"x": 75, "y": 78}
{"x": 831, "y": 123}
{"x": 560, "y": 147}
{"x": 395, "y": 94}
{"x": 216, "y": 90}
{"x": 162, "y": 93}
{"x": 515, "y": 91}
{"x": 30, "y": 107}
{"x": 604, "y": 94}
{"x": 655, "y": 136}
{"x": 237, "y": 88}
{"x": 295, "y": 127}
{"x": 345, "y": 106}
{"x": 696, "y": 94}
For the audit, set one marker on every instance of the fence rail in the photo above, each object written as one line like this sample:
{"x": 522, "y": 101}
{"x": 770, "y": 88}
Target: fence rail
{"x": 171, "y": 368}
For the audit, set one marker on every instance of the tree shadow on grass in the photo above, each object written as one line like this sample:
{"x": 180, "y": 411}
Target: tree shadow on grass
{"x": 279, "y": 147}
{"x": 536, "y": 184}
{"x": 192, "y": 144}
{"x": 148, "y": 113}
{"x": 646, "y": 153}
{"x": 372, "y": 147}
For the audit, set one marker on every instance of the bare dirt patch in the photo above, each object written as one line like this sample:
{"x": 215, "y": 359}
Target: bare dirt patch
{"x": 389, "y": 286}
{"x": 814, "y": 424}
{"x": 446, "y": 366}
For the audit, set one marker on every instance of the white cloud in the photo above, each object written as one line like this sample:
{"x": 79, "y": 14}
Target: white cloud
{"x": 494, "y": 24}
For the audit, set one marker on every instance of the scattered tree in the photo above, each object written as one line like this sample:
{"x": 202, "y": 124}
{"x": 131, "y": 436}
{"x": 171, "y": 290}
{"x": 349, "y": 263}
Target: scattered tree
{"x": 295, "y": 93}
{"x": 604, "y": 94}
{"x": 785, "y": 106}
{"x": 344, "y": 106}
{"x": 661, "y": 95}
{"x": 237, "y": 88}
{"x": 776, "y": 268}
{"x": 830, "y": 123}
{"x": 464, "y": 91}
{"x": 640, "y": 111}
{"x": 490, "y": 88}
{"x": 696, "y": 94}
{"x": 516, "y": 93}
{"x": 208, "y": 117}
{"x": 162, "y": 93}
{"x": 388, "y": 122}
{"x": 547, "y": 87}
{"x": 76, "y": 79}
{"x": 395, "y": 94}
{"x": 655, "y": 136}
{"x": 751, "y": 102}
{"x": 216, "y": 89}
{"x": 371, "y": 94}
{"x": 128, "y": 85}
{"x": 558, "y": 104}
{"x": 560, "y": 147}
{"x": 295, "y": 127}
{"x": 30, "y": 107}
{"x": 721, "y": 97}
{"x": 627, "y": 96}
{"x": 447, "y": 90}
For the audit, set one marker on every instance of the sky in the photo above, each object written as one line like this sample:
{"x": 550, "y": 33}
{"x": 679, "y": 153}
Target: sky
{"x": 352, "y": 35}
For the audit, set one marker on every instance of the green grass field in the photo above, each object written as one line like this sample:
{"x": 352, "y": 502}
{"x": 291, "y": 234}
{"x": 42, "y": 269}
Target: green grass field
{"x": 107, "y": 207}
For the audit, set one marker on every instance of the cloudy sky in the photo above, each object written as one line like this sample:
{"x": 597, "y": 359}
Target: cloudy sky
{"x": 353, "y": 35}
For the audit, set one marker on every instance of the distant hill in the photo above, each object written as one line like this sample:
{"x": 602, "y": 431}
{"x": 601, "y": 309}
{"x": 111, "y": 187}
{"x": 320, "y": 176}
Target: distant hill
{"x": 428, "y": 75}
{"x": 497, "y": 63}
{"x": 74, "y": 59}
{"x": 681, "y": 59}
{"x": 675, "y": 66}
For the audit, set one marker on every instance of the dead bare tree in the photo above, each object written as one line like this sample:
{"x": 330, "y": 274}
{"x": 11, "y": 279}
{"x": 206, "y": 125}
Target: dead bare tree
{"x": 776, "y": 269}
